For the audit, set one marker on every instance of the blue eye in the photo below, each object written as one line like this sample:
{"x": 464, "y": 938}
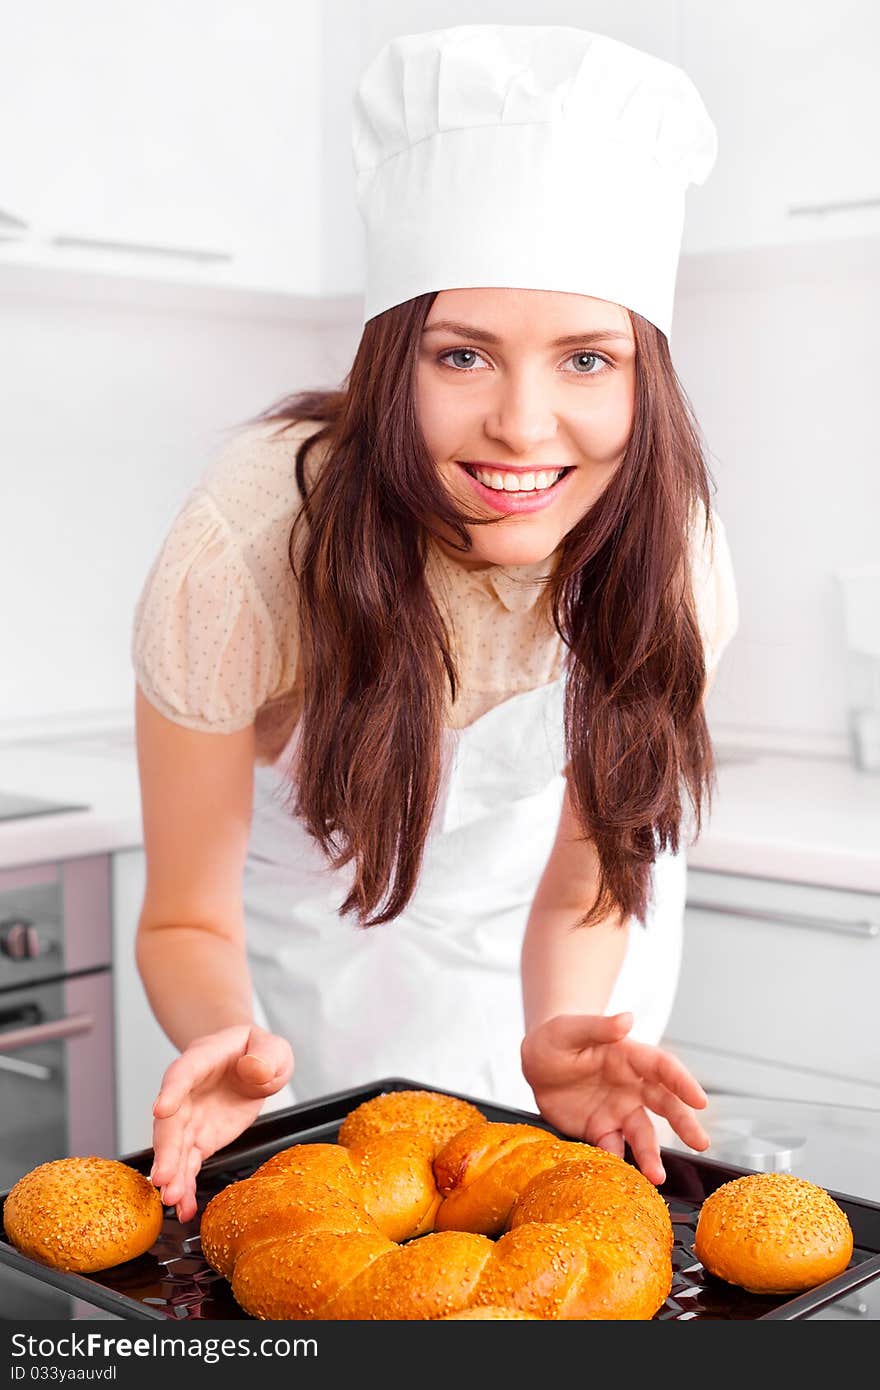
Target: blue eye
{"x": 472, "y": 352}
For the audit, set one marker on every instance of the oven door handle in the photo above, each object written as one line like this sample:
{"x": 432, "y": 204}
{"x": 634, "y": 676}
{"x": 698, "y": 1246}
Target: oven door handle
{"x": 35, "y": 1071}
{"x": 68, "y": 1027}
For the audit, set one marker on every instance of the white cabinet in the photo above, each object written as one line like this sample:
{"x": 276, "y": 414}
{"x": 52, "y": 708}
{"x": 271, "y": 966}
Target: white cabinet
{"x": 793, "y": 90}
{"x": 174, "y": 141}
{"x": 778, "y": 989}
{"x": 142, "y": 1049}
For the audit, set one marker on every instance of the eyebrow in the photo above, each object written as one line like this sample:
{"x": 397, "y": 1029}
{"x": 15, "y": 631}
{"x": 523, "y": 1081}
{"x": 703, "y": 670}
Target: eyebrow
{"x": 469, "y": 331}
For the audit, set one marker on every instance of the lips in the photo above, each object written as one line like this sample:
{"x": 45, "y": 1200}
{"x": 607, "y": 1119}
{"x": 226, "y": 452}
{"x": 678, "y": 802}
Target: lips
{"x": 509, "y": 503}
{"x": 489, "y": 467}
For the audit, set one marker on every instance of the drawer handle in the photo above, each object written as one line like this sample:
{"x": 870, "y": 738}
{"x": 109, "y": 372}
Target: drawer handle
{"x": 864, "y": 929}
{"x": 851, "y": 205}
{"x": 135, "y": 248}
{"x": 58, "y": 1028}
{"x": 16, "y": 1067}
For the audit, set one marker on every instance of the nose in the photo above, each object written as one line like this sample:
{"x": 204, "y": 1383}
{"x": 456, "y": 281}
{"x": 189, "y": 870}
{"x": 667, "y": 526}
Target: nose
{"x": 521, "y": 416}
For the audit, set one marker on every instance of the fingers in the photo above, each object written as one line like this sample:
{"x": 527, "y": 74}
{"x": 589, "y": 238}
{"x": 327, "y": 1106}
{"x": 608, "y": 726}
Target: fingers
{"x": 642, "y": 1139}
{"x": 653, "y": 1065}
{"x": 173, "y": 1190}
{"x": 637, "y": 1130}
{"x": 180, "y": 1188}
{"x": 612, "y": 1142}
{"x": 192, "y": 1068}
{"x": 186, "y": 1204}
{"x": 680, "y": 1116}
{"x": 168, "y": 1137}
{"x": 266, "y": 1064}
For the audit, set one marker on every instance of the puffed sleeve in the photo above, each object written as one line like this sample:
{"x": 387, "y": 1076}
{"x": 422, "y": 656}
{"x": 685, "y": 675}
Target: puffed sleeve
{"x": 204, "y": 649}
{"x": 714, "y": 588}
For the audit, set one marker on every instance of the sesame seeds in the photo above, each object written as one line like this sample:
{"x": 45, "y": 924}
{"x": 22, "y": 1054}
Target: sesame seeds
{"x": 773, "y": 1233}
{"x": 83, "y": 1213}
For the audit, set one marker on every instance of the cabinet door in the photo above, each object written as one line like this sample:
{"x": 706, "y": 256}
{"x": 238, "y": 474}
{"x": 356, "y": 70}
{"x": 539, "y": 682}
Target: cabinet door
{"x": 793, "y": 90}
{"x": 178, "y": 140}
{"x": 781, "y": 973}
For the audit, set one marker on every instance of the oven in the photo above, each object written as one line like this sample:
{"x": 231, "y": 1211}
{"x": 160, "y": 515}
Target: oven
{"x": 57, "y": 1082}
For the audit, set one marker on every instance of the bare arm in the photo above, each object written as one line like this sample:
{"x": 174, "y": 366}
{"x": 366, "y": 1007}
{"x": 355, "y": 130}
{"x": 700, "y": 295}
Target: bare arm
{"x": 197, "y": 799}
{"x": 588, "y": 1078}
{"x": 567, "y": 971}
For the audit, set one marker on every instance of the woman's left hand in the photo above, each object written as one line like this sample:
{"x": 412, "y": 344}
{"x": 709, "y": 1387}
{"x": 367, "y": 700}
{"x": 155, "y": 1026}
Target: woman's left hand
{"x": 593, "y": 1082}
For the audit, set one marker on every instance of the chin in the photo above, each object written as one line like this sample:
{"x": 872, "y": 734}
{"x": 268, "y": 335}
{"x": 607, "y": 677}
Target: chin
{"x": 499, "y": 549}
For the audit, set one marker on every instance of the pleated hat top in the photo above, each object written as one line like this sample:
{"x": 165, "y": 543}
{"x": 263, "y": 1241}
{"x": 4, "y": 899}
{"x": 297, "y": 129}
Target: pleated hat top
{"x": 526, "y": 156}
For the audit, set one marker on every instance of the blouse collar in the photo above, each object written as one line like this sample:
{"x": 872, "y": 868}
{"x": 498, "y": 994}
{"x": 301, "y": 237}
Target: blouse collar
{"x": 518, "y": 587}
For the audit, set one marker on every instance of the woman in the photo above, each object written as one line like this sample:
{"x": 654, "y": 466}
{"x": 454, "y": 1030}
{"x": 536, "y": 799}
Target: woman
{"x": 422, "y": 662}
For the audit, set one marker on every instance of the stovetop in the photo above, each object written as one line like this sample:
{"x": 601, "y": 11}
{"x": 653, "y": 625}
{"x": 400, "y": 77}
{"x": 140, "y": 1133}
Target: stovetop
{"x": 15, "y": 806}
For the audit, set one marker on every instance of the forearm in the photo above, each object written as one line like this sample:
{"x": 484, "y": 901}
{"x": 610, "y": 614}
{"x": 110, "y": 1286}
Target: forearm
{"x": 196, "y": 980}
{"x": 568, "y": 970}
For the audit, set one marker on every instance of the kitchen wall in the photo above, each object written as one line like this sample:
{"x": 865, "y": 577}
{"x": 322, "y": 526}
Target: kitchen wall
{"x": 109, "y": 414}
{"x": 778, "y": 354}
{"x": 115, "y": 394}
{"x": 111, "y": 410}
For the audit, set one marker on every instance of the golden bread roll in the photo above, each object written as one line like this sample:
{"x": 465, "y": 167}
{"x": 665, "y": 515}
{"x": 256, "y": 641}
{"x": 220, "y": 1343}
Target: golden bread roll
{"x": 487, "y": 1314}
{"x": 425, "y": 1279}
{"x": 773, "y": 1233}
{"x": 397, "y": 1182}
{"x": 83, "y": 1214}
{"x": 386, "y": 1187}
{"x": 612, "y": 1198}
{"x": 558, "y": 1269}
{"x": 585, "y": 1235}
{"x": 427, "y": 1112}
{"x": 327, "y": 1163}
{"x": 482, "y": 1170}
{"x": 297, "y": 1277}
{"x": 271, "y": 1206}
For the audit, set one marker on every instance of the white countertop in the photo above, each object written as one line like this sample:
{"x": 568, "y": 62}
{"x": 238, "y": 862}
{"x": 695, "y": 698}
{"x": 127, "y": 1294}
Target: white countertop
{"x": 810, "y": 820}
{"x": 99, "y": 770}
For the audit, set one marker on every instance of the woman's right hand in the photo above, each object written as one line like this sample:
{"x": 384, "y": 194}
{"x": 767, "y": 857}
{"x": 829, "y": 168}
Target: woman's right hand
{"x": 210, "y": 1094}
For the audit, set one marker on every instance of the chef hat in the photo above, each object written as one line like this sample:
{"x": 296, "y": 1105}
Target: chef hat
{"x": 527, "y": 156}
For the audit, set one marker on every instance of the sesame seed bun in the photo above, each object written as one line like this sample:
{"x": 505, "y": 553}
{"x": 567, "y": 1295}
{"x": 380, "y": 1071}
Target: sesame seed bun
{"x": 489, "y": 1313}
{"x": 773, "y": 1233}
{"x": 430, "y": 1113}
{"x": 83, "y": 1214}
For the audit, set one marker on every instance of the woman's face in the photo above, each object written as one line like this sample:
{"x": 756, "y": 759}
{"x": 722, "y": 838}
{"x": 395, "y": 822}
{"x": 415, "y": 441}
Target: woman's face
{"x": 503, "y": 396}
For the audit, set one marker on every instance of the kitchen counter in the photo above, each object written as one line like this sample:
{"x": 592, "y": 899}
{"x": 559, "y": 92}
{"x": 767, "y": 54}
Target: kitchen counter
{"x": 99, "y": 770}
{"x": 808, "y": 820}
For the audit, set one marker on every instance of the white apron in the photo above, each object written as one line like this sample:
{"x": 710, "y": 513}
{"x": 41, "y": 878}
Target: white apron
{"x": 435, "y": 995}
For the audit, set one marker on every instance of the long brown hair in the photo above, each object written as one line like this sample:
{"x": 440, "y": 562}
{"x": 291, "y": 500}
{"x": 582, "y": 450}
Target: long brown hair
{"x": 375, "y": 652}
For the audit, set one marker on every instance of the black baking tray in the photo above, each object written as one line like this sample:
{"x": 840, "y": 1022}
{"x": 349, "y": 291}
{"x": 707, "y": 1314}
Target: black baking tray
{"x": 173, "y": 1280}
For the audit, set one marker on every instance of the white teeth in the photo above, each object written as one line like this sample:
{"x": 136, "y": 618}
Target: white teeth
{"x": 517, "y": 482}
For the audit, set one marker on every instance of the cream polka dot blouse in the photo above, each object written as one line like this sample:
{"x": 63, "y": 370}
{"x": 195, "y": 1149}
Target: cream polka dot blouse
{"x": 215, "y": 626}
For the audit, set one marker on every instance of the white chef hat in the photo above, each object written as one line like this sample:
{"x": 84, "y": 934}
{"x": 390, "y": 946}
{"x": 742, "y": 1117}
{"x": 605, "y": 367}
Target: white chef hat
{"x": 526, "y": 156}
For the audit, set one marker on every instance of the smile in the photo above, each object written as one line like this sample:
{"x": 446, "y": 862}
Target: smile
{"x": 517, "y": 492}
{"x": 515, "y": 482}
